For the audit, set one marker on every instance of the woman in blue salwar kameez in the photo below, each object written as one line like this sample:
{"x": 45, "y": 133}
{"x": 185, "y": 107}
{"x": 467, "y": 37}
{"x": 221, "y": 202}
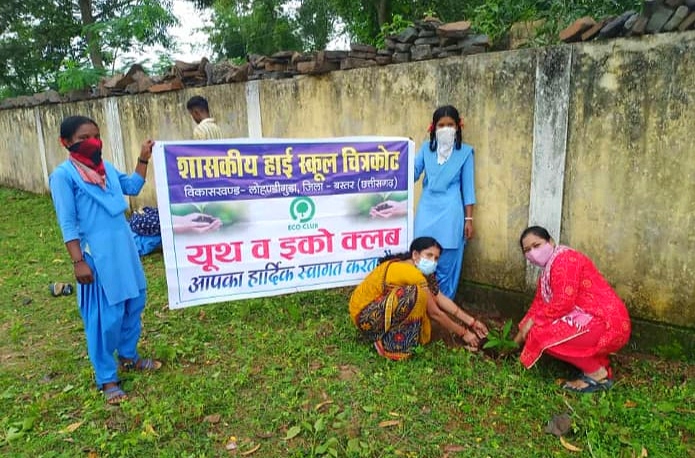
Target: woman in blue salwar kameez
{"x": 445, "y": 209}
{"x": 88, "y": 195}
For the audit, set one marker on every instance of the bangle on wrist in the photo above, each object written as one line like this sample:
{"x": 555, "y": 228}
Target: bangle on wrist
{"x": 143, "y": 161}
{"x": 74, "y": 263}
{"x": 468, "y": 218}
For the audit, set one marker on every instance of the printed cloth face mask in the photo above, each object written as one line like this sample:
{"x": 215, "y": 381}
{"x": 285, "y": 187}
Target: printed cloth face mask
{"x": 89, "y": 149}
{"x": 446, "y": 137}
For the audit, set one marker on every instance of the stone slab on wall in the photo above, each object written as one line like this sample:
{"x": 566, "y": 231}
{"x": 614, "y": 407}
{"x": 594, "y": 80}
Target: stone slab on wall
{"x": 630, "y": 182}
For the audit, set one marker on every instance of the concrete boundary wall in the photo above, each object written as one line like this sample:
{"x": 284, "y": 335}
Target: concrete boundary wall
{"x": 594, "y": 141}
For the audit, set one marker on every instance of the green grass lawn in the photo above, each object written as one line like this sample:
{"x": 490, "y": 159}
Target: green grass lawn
{"x": 287, "y": 376}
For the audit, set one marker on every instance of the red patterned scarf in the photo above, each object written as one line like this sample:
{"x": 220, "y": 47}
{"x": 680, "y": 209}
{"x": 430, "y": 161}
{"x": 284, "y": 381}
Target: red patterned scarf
{"x": 88, "y": 152}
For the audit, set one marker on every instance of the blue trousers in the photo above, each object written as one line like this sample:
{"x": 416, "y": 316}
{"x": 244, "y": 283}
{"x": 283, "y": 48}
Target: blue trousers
{"x": 109, "y": 327}
{"x": 449, "y": 270}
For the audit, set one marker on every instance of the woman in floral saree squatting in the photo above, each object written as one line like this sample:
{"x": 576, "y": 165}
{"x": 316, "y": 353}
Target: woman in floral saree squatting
{"x": 575, "y": 316}
{"x": 393, "y": 305}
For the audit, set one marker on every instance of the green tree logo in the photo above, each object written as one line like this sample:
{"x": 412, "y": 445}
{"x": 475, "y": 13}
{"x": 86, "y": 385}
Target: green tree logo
{"x": 302, "y": 209}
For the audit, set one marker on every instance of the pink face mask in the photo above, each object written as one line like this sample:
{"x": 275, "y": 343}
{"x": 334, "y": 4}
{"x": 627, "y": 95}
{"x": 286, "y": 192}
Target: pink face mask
{"x": 540, "y": 255}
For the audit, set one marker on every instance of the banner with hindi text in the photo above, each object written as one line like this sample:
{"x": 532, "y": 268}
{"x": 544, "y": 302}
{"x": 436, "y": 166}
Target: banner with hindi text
{"x": 248, "y": 218}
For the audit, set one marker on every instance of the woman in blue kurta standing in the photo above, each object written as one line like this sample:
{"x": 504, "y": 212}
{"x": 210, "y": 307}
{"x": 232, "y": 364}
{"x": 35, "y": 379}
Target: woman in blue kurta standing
{"x": 445, "y": 210}
{"x": 88, "y": 195}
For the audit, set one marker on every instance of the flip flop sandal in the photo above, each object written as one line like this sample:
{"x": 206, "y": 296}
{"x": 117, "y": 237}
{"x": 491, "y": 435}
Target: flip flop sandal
{"x": 115, "y": 395}
{"x": 143, "y": 365}
{"x": 591, "y": 385}
{"x": 60, "y": 289}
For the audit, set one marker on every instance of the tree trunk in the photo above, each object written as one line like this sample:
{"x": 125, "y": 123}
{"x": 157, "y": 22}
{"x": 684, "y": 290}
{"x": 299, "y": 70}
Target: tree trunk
{"x": 382, "y": 12}
{"x": 92, "y": 39}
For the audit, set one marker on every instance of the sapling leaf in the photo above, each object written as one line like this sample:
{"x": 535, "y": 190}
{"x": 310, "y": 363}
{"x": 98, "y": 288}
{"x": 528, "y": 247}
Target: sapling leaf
{"x": 293, "y": 432}
{"x": 506, "y": 329}
{"x": 500, "y": 339}
{"x": 489, "y": 344}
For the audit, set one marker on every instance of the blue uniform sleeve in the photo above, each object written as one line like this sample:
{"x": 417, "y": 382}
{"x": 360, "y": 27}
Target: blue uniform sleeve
{"x": 131, "y": 184}
{"x": 468, "y": 181}
{"x": 63, "y": 195}
{"x": 420, "y": 162}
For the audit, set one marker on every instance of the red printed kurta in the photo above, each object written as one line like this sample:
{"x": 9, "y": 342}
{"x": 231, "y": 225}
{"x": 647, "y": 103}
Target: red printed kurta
{"x": 575, "y": 282}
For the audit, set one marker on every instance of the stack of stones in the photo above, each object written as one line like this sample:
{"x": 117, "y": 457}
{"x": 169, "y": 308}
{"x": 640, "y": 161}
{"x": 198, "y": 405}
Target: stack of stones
{"x": 279, "y": 65}
{"x": 359, "y": 56}
{"x": 286, "y": 64}
{"x": 321, "y": 62}
{"x": 657, "y": 16}
{"x": 430, "y": 39}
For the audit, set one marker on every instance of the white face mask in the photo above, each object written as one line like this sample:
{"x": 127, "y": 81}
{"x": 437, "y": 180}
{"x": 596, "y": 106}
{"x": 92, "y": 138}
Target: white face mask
{"x": 446, "y": 137}
{"x": 426, "y": 266}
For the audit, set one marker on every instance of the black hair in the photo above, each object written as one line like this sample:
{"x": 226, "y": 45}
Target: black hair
{"x": 198, "y": 102}
{"x": 70, "y": 125}
{"x": 439, "y": 113}
{"x": 419, "y": 244}
{"x": 538, "y": 231}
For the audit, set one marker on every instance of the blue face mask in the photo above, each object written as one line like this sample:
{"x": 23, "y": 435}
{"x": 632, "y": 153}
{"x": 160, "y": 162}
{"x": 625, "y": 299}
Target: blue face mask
{"x": 426, "y": 266}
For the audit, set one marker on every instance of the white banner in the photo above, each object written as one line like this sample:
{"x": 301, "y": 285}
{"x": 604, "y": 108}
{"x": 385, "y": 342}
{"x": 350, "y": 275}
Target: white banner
{"x": 249, "y": 218}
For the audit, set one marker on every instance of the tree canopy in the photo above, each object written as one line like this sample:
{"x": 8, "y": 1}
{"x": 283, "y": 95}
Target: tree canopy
{"x": 66, "y": 44}
{"x": 241, "y": 27}
{"x": 44, "y": 43}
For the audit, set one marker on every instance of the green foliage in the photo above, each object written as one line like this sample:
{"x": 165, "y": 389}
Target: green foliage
{"x": 316, "y": 22}
{"x": 396, "y": 26}
{"x": 75, "y": 76}
{"x": 137, "y": 24}
{"x": 673, "y": 350}
{"x": 258, "y": 26}
{"x": 160, "y": 66}
{"x": 501, "y": 340}
{"x": 41, "y": 38}
{"x": 35, "y": 38}
{"x": 363, "y": 19}
{"x": 495, "y": 17}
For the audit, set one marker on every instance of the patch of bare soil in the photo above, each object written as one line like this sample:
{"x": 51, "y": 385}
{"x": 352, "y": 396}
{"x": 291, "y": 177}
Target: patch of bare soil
{"x": 347, "y": 372}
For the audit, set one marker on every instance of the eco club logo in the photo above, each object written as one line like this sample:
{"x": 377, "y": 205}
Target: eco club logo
{"x": 302, "y": 211}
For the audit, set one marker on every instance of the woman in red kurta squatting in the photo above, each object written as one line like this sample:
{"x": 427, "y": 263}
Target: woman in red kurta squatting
{"x": 88, "y": 195}
{"x": 575, "y": 316}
